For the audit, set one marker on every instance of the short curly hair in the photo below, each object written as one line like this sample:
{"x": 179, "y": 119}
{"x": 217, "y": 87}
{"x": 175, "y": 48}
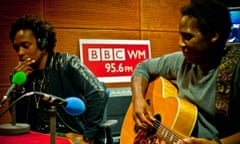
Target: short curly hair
{"x": 212, "y": 16}
{"x": 42, "y": 30}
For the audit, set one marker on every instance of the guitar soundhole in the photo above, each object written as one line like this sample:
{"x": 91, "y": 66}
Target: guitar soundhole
{"x": 153, "y": 130}
{"x": 148, "y": 136}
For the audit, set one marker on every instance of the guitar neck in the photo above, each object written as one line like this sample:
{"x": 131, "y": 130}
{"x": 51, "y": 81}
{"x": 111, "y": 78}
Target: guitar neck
{"x": 167, "y": 134}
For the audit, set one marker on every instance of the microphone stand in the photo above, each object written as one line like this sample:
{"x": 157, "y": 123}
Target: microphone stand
{"x": 52, "y": 113}
{"x": 14, "y": 128}
{"x": 20, "y": 128}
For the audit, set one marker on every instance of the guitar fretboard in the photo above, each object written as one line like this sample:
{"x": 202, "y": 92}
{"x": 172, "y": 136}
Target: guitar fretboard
{"x": 167, "y": 134}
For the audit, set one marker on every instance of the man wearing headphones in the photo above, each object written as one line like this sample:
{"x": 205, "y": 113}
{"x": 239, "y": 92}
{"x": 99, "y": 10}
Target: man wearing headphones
{"x": 55, "y": 73}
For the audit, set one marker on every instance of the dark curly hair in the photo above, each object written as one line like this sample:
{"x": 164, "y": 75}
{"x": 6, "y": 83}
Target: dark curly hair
{"x": 212, "y": 15}
{"x": 42, "y": 30}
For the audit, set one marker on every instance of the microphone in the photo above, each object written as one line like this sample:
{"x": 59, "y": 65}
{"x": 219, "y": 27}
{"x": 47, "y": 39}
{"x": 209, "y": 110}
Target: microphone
{"x": 72, "y": 105}
{"x": 18, "y": 79}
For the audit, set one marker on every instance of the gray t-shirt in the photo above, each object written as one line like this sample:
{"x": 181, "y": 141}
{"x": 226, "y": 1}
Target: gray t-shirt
{"x": 197, "y": 87}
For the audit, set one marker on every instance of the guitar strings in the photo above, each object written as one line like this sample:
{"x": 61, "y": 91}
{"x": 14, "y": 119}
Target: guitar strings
{"x": 157, "y": 124}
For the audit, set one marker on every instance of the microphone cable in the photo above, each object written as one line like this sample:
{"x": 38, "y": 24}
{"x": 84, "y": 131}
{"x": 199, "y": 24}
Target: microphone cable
{"x": 13, "y": 103}
{"x": 67, "y": 125}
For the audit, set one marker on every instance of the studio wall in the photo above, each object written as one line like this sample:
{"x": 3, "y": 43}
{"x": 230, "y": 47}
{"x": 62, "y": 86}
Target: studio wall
{"x": 154, "y": 20}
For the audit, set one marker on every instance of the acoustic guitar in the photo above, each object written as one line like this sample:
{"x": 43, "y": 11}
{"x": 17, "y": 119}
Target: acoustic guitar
{"x": 175, "y": 117}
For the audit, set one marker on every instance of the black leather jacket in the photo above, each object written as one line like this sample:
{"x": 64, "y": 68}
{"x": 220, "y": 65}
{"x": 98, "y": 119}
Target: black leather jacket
{"x": 64, "y": 76}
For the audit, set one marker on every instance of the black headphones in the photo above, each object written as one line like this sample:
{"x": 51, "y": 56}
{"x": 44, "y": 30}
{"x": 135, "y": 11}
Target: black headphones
{"x": 42, "y": 43}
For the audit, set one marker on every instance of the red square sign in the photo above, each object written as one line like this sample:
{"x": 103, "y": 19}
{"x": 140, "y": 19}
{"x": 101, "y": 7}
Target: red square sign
{"x": 113, "y": 60}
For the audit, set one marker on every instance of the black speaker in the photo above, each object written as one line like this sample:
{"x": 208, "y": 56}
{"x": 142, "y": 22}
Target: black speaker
{"x": 116, "y": 109}
{"x": 117, "y": 106}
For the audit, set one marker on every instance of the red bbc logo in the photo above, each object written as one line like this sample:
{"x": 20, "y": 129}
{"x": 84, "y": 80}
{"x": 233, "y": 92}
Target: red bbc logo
{"x": 106, "y": 54}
